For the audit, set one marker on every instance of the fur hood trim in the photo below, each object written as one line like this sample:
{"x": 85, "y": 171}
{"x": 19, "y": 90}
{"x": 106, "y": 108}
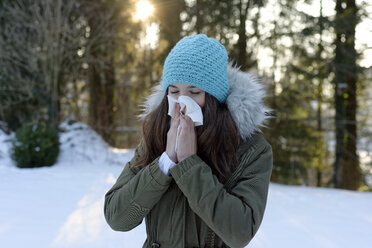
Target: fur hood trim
{"x": 245, "y": 101}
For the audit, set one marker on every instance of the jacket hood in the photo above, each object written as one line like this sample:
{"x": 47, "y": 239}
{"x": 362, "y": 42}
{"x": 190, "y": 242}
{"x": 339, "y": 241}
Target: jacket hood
{"x": 245, "y": 101}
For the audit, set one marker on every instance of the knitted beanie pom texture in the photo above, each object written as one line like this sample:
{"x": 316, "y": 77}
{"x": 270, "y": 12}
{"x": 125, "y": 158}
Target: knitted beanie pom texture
{"x": 199, "y": 61}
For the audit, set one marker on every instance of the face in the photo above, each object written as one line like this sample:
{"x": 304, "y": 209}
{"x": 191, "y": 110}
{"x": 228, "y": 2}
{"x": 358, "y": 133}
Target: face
{"x": 177, "y": 89}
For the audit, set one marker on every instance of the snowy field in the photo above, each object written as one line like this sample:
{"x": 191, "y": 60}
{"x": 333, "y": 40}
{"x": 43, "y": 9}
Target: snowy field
{"x": 62, "y": 206}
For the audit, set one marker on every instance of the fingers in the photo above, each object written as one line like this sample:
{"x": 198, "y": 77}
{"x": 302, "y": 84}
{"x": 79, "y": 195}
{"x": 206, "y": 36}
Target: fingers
{"x": 187, "y": 144}
{"x": 186, "y": 122}
{"x": 177, "y": 110}
{"x": 175, "y": 121}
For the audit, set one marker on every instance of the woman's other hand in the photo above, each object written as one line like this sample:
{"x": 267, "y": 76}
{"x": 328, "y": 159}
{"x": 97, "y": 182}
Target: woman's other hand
{"x": 187, "y": 145}
{"x": 172, "y": 135}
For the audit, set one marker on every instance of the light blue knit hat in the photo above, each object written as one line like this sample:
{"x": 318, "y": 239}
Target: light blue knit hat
{"x": 198, "y": 61}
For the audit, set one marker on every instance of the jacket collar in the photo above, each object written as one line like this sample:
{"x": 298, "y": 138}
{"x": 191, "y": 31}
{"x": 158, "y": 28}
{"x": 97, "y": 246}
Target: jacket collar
{"x": 245, "y": 101}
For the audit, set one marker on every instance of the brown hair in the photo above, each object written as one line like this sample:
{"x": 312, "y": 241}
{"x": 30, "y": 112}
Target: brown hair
{"x": 217, "y": 139}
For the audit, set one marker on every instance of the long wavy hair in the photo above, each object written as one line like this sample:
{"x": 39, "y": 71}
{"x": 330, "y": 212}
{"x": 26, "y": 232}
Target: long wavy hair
{"x": 217, "y": 139}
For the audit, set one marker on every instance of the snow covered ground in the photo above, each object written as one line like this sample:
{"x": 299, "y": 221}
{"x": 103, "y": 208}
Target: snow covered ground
{"x": 62, "y": 206}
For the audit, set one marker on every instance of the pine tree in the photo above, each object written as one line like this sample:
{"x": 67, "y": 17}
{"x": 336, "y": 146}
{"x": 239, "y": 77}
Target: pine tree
{"x": 105, "y": 20}
{"x": 297, "y": 132}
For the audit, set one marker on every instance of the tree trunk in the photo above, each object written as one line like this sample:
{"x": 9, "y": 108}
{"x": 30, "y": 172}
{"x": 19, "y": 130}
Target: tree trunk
{"x": 320, "y": 95}
{"x": 199, "y": 18}
{"x": 242, "y": 41}
{"x": 346, "y": 163}
{"x": 351, "y": 165}
{"x": 168, "y": 13}
{"x": 101, "y": 92}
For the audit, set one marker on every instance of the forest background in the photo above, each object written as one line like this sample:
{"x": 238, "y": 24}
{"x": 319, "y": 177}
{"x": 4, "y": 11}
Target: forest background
{"x": 94, "y": 61}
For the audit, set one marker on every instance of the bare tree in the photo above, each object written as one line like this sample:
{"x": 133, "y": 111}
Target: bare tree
{"x": 41, "y": 40}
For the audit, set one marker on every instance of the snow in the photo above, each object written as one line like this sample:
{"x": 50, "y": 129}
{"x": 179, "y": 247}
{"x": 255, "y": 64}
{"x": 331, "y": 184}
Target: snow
{"x": 62, "y": 205}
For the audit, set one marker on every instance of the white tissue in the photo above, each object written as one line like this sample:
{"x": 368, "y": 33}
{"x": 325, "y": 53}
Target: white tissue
{"x": 193, "y": 110}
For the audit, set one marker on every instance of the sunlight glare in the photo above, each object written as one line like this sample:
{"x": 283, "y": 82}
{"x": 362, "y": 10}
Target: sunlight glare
{"x": 152, "y": 35}
{"x": 144, "y": 10}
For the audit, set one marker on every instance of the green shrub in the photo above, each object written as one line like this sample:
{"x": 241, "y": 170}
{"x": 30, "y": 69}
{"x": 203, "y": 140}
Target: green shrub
{"x": 35, "y": 145}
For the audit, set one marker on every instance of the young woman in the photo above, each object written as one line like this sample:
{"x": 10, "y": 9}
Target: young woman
{"x": 211, "y": 191}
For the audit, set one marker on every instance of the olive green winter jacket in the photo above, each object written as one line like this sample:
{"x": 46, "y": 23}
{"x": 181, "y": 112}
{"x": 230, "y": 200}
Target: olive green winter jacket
{"x": 191, "y": 208}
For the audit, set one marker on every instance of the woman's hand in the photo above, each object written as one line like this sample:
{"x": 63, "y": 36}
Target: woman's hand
{"x": 172, "y": 135}
{"x": 187, "y": 145}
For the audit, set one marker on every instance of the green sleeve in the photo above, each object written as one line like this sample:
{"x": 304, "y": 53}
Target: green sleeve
{"x": 134, "y": 194}
{"x": 236, "y": 216}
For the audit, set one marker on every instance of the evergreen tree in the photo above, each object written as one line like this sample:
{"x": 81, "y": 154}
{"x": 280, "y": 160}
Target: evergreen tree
{"x": 110, "y": 27}
{"x": 226, "y": 20}
{"x": 297, "y": 131}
